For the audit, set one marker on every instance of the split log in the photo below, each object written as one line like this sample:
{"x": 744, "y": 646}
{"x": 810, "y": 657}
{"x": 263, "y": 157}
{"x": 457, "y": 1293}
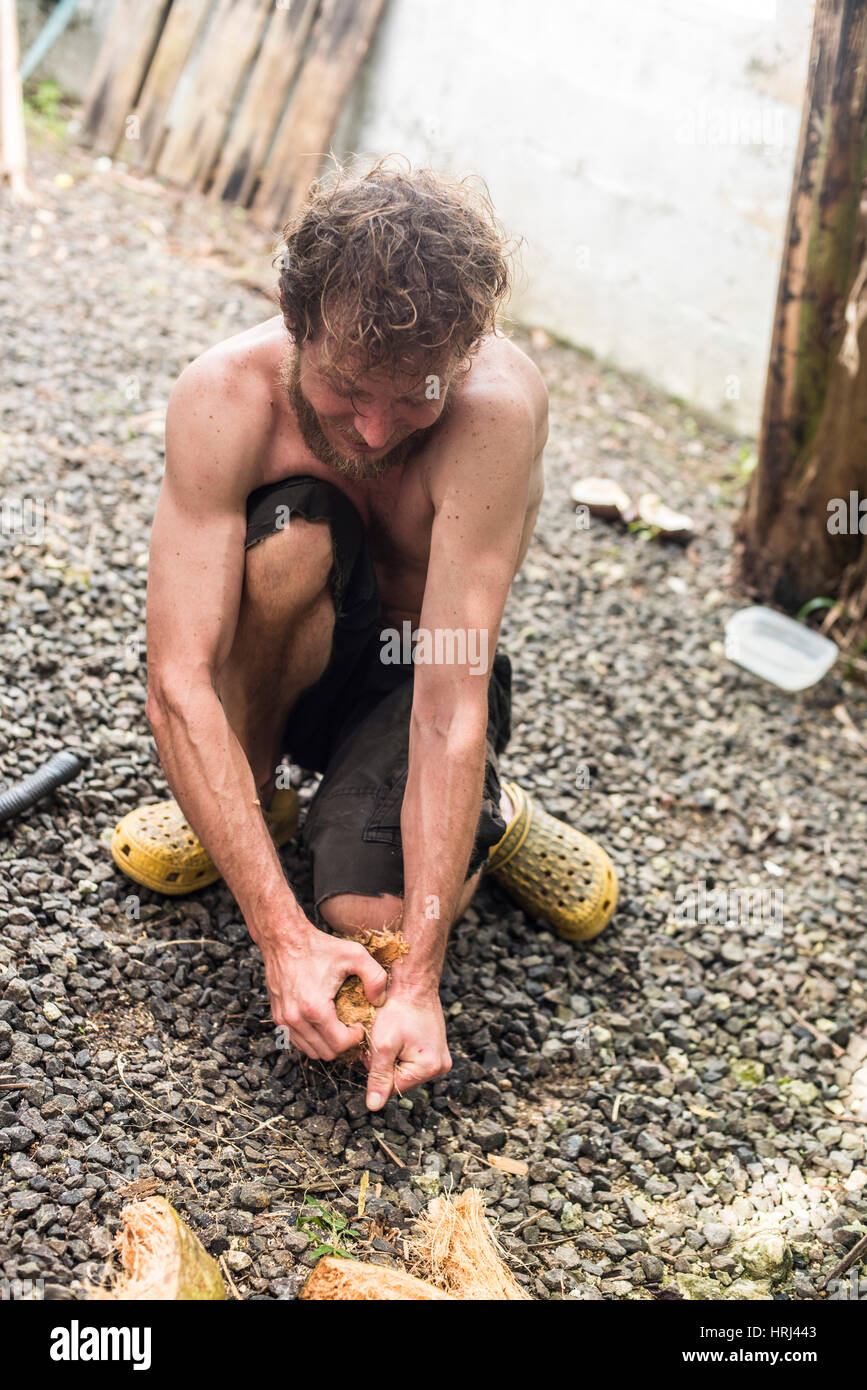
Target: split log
{"x": 192, "y": 146}
{"x": 242, "y": 158}
{"x": 177, "y": 41}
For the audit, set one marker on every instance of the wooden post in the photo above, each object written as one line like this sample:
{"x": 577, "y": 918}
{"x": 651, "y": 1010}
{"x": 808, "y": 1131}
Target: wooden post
{"x": 14, "y": 146}
{"x": 813, "y": 440}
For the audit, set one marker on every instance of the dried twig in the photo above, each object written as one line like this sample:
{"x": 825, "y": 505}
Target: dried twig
{"x": 389, "y": 1152}
{"x": 848, "y": 1259}
{"x": 528, "y": 1221}
{"x": 228, "y": 1278}
{"x": 841, "y": 713}
{"x": 811, "y": 1028}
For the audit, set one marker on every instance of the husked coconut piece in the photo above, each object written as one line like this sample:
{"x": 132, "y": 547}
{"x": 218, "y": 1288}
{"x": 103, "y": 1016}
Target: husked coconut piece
{"x": 668, "y": 524}
{"x": 352, "y": 1281}
{"x": 601, "y": 496}
{"x": 454, "y": 1253}
{"x": 456, "y": 1246}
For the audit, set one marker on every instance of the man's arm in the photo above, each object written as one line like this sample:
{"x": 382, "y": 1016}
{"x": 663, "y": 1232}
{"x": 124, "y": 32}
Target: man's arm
{"x": 479, "y": 489}
{"x": 194, "y": 594}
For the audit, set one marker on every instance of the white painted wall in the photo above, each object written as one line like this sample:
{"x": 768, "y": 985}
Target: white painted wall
{"x": 644, "y": 149}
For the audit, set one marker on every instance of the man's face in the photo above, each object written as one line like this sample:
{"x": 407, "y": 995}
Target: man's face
{"x": 361, "y": 424}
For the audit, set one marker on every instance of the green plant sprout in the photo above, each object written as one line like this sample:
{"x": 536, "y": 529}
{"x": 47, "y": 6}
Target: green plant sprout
{"x": 332, "y": 1223}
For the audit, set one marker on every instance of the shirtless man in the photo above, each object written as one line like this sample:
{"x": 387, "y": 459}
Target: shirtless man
{"x": 370, "y": 457}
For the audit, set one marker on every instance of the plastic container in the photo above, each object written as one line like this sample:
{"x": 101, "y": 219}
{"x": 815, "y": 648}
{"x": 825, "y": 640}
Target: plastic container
{"x": 778, "y": 649}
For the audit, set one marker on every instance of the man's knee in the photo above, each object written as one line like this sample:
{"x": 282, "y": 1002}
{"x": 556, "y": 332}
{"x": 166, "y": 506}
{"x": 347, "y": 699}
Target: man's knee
{"x": 293, "y": 564}
{"x": 354, "y": 913}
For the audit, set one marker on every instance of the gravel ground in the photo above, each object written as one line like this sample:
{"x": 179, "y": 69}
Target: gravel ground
{"x": 684, "y": 1099}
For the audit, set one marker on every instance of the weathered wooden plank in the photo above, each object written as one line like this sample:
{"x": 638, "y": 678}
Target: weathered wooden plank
{"x": 14, "y": 142}
{"x": 120, "y": 67}
{"x": 259, "y": 111}
{"x": 341, "y": 37}
{"x": 193, "y": 143}
{"x": 182, "y": 28}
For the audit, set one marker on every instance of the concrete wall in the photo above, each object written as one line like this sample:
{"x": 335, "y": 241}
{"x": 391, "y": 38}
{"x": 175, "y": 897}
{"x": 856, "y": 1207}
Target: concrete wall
{"x": 643, "y": 148}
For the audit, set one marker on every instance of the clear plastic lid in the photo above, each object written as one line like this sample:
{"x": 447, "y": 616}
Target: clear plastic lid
{"x": 778, "y": 649}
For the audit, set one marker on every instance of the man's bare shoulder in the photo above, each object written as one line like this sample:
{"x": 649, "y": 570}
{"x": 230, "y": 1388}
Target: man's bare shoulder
{"x": 503, "y": 379}
{"x": 500, "y": 395}
{"x": 227, "y": 402}
{"x": 245, "y": 365}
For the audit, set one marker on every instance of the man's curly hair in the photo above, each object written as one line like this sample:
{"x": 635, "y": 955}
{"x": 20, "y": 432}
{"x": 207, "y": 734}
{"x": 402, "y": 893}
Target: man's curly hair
{"x": 397, "y": 264}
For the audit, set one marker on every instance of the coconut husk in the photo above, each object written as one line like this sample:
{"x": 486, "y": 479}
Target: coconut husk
{"x": 459, "y": 1252}
{"x": 161, "y": 1259}
{"x": 351, "y": 1003}
{"x": 341, "y": 1281}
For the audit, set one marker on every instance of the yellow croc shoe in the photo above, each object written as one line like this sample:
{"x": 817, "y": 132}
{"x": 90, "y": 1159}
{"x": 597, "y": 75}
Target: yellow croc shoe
{"x": 554, "y": 871}
{"x": 156, "y": 846}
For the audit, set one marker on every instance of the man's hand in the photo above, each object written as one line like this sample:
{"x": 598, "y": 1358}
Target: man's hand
{"x": 407, "y": 1046}
{"x": 303, "y": 972}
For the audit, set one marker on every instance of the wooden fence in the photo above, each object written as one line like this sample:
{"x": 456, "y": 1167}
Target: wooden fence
{"x": 238, "y": 98}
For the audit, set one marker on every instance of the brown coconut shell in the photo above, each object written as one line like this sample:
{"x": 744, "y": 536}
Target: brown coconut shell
{"x": 161, "y": 1259}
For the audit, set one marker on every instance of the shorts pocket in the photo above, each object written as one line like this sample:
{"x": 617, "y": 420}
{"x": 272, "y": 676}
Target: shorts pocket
{"x": 383, "y": 827}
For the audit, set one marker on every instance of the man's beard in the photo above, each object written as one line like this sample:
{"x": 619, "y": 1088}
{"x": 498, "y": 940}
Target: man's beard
{"x": 356, "y": 466}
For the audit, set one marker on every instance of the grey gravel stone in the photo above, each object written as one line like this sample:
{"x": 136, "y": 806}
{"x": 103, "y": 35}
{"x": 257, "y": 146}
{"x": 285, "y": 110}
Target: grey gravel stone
{"x": 252, "y": 1196}
{"x": 652, "y": 1267}
{"x": 15, "y": 1137}
{"x": 716, "y": 1234}
{"x": 489, "y": 1135}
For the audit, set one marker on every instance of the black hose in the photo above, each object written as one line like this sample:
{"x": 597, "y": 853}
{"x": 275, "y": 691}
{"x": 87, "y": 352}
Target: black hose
{"x": 22, "y": 795}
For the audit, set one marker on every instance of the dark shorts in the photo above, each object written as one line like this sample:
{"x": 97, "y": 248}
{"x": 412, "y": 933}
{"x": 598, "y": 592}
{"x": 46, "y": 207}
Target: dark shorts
{"x": 353, "y": 724}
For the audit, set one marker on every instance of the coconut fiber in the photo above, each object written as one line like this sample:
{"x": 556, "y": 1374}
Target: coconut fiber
{"x": 351, "y": 1003}
{"x": 457, "y": 1248}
